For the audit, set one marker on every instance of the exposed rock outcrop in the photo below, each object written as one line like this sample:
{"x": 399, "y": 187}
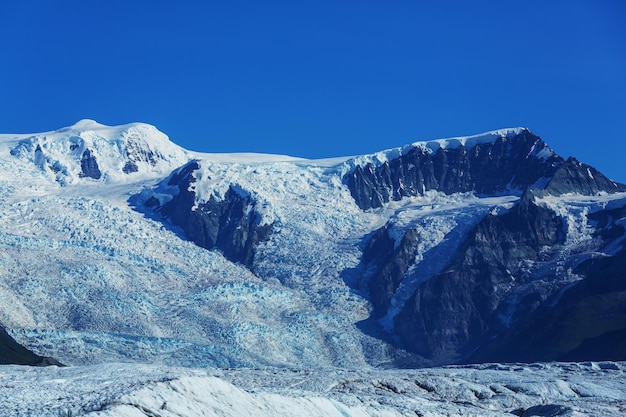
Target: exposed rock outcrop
{"x": 451, "y": 312}
{"x": 137, "y": 153}
{"x": 389, "y": 262}
{"x": 89, "y": 166}
{"x": 575, "y": 177}
{"x": 511, "y": 163}
{"x": 493, "y": 281}
{"x": 509, "y": 292}
{"x": 231, "y": 224}
{"x": 585, "y": 322}
{"x": 485, "y": 168}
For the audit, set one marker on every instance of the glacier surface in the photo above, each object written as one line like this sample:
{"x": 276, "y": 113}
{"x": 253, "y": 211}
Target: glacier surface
{"x": 106, "y": 288}
{"x": 135, "y": 390}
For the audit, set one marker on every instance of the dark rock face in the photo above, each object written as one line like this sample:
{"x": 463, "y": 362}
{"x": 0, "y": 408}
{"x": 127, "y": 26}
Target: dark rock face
{"x": 390, "y": 262}
{"x": 586, "y": 321}
{"x": 606, "y": 226}
{"x": 505, "y": 165}
{"x": 130, "y": 167}
{"x": 495, "y": 300}
{"x": 232, "y": 225}
{"x": 575, "y": 177}
{"x": 485, "y": 169}
{"x": 544, "y": 410}
{"x": 12, "y": 353}
{"x": 454, "y": 310}
{"x": 89, "y": 166}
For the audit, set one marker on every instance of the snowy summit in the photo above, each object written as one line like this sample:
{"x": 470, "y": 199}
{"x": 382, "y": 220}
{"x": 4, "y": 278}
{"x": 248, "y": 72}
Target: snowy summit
{"x": 91, "y": 151}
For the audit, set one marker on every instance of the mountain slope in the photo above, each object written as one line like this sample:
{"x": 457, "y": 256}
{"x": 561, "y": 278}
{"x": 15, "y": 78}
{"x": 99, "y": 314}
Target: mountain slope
{"x": 418, "y": 255}
{"x": 587, "y": 321}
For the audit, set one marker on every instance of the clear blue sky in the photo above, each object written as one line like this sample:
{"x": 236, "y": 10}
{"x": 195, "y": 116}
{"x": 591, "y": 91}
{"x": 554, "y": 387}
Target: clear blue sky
{"x": 322, "y": 78}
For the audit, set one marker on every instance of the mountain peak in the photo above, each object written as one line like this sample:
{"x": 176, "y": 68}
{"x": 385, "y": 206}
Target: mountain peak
{"x": 89, "y": 150}
{"x": 87, "y": 124}
{"x": 432, "y": 146}
{"x": 110, "y": 132}
{"x": 505, "y": 161}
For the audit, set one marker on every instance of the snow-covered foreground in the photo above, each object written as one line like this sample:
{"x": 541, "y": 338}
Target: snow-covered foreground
{"x": 130, "y": 390}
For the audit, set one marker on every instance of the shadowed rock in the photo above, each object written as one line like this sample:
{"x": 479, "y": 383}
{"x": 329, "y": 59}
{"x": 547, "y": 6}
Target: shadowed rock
{"x": 12, "y": 353}
{"x": 231, "y": 224}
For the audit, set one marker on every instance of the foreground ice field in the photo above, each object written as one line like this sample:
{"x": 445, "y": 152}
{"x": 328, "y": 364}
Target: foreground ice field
{"x": 132, "y": 390}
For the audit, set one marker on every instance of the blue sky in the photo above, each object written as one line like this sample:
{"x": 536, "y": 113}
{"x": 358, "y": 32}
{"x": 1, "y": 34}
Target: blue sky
{"x": 320, "y": 78}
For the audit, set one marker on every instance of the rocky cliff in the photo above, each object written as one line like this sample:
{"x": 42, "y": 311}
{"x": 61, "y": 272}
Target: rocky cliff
{"x": 230, "y": 223}
{"x": 513, "y": 264}
{"x": 587, "y": 320}
{"x": 514, "y": 161}
{"x": 453, "y": 311}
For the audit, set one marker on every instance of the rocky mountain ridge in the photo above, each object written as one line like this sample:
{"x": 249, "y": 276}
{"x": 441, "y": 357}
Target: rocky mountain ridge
{"x": 510, "y": 163}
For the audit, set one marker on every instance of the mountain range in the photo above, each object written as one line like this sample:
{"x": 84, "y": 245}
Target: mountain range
{"x": 118, "y": 245}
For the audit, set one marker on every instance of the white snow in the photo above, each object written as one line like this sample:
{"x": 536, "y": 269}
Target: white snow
{"x": 589, "y": 173}
{"x": 88, "y": 279}
{"x": 574, "y": 208}
{"x": 58, "y": 153}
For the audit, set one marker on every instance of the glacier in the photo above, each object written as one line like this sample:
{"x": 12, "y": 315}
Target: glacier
{"x": 152, "y": 324}
{"x": 86, "y": 278}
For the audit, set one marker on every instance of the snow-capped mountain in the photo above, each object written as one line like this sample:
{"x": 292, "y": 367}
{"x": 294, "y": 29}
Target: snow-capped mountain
{"x": 89, "y": 150}
{"x": 119, "y": 245}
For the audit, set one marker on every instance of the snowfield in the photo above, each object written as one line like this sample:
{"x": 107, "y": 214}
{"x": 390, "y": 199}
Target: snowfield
{"x": 133, "y": 390}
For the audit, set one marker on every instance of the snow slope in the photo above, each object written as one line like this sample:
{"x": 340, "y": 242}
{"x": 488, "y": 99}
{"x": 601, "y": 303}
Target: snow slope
{"x": 88, "y": 279}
